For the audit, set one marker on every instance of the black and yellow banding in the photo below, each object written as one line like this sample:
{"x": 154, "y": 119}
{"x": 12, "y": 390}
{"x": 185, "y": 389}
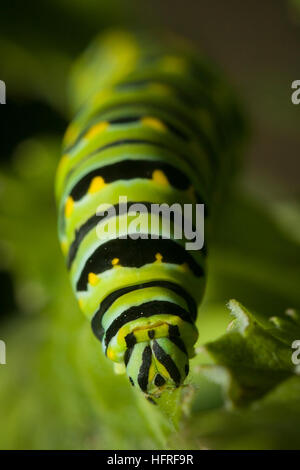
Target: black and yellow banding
{"x": 154, "y": 124}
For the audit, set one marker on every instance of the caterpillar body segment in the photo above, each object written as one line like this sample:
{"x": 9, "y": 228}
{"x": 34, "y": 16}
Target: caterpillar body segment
{"x": 154, "y": 125}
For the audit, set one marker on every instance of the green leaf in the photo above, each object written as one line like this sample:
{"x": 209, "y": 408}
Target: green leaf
{"x": 256, "y": 361}
{"x": 269, "y": 423}
{"x": 251, "y": 367}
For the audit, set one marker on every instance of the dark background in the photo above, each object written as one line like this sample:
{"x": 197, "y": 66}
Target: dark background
{"x": 257, "y": 42}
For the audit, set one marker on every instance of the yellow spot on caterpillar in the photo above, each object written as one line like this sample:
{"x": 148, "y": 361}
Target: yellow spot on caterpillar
{"x": 80, "y": 303}
{"x": 162, "y": 370}
{"x": 69, "y": 206}
{"x": 64, "y": 247}
{"x": 159, "y": 177}
{"x": 110, "y": 354}
{"x": 185, "y": 267}
{"x": 97, "y": 183}
{"x": 152, "y": 372}
{"x": 71, "y": 134}
{"x": 154, "y": 123}
{"x": 158, "y": 257}
{"x": 115, "y": 261}
{"x": 93, "y": 279}
{"x": 141, "y": 333}
{"x": 96, "y": 129}
{"x": 62, "y": 163}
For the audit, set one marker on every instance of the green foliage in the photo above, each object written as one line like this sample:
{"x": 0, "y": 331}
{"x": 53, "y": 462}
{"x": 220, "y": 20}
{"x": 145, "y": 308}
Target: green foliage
{"x": 255, "y": 360}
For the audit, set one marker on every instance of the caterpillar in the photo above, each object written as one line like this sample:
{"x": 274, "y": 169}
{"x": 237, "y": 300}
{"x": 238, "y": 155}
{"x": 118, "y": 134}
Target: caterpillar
{"x": 154, "y": 124}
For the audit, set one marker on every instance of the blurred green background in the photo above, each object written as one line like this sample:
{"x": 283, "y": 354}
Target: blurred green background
{"x": 57, "y": 391}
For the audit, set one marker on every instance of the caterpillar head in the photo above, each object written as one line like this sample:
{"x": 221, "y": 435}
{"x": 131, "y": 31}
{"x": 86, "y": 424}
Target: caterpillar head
{"x": 157, "y": 365}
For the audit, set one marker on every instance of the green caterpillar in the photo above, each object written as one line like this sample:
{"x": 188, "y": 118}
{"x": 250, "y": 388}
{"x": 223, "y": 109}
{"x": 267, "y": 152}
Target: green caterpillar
{"x": 155, "y": 124}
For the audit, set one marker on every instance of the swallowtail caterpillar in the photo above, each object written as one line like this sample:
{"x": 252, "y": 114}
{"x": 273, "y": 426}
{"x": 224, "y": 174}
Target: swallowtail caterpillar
{"x": 155, "y": 123}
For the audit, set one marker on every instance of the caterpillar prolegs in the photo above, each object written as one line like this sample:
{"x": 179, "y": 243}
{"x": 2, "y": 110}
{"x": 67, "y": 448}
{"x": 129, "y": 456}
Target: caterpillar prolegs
{"x": 154, "y": 124}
